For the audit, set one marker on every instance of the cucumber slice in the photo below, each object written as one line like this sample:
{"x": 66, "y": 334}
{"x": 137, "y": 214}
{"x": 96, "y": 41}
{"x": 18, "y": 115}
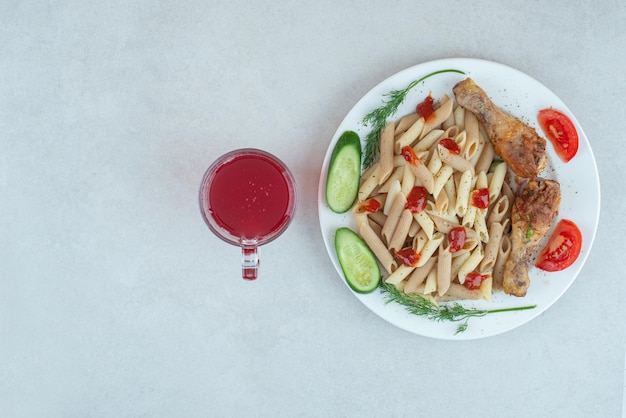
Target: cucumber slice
{"x": 357, "y": 261}
{"x": 344, "y": 173}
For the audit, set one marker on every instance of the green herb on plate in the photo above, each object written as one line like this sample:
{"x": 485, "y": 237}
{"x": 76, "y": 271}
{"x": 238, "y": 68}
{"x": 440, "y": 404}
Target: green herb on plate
{"x": 419, "y": 305}
{"x": 378, "y": 117}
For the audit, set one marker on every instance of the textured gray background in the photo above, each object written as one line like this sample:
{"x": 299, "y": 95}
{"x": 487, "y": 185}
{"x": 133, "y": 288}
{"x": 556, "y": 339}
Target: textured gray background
{"x": 115, "y": 299}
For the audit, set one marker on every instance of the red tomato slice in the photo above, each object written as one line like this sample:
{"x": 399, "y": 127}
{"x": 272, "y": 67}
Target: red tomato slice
{"x": 560, "y": 131}
{"x": 562, "y": 249}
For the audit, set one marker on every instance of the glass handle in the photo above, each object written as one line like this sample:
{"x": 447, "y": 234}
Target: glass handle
{"x": 249, "y": 263}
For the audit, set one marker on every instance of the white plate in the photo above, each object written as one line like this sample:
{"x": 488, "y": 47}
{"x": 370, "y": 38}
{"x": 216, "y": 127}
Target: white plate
{"x": 522, "y": 96}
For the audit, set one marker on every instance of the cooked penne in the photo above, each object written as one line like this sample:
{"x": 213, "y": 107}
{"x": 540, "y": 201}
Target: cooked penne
{"x": 462, "y": 193}
{"x": 441, "y": 203}
{"x": 369, "y": 184}
{"x": 418, "y": 276}
{"x": 399, "y": 274}
{"x": 441, "y": 177}
{"x": 426, "y": 142}
{"x": 459, "y": 117}
{"x": 394, "y": 188}
{"x": 405, "y": 123}
{"x": 496, "y": 181}
{"x": 378, "y": 248}
{"x": 431, "y": 281}
{"x": 498, "y": 268}
{"x": 460, "y": 292}
{"x": 491, "y": 249}
{"x": 427, "y": 224}
{"x": 485, "y": 288}
{"x": 393, "y": 217}
{"x": 454, "y": 160}
{"x": 429, "y": 248}
{"x": 498, "y": 210}
{"x": 407, "y": 182}
{"x": 396, "y": 175}
{"x": 486, "y": 157}
{"x": 438, "y": 116}
{"x": 386, "y": 152}
{"x": 410, "y": 135}
{"x": 444, "y": 267}
{"x": 423, "y": 177}
{"x": 434, "y": 164}
{"x": 401, "y": 232}
{"x": 411, "y": 155}
{"x": 378, "y": 217}
{"x": 471, "y": 131}
{"x": 470, "y": 264}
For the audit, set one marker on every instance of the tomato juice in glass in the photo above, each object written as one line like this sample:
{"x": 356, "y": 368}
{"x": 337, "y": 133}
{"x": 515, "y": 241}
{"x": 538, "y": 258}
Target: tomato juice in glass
{"x": 248, "y": 199}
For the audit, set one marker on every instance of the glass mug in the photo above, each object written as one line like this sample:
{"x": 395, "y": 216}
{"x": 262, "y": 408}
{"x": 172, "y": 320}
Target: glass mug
{"x": 248, "y": 198}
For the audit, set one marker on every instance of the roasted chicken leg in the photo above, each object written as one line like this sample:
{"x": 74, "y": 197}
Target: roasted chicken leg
{"x": 517, "y": 143}
{"x": 532, "y": 213}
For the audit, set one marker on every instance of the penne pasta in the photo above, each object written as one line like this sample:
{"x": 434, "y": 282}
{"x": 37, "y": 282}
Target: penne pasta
{"x": 401, "y": 232}
{"x": 426, "y": 223}
{"x": 456, "y": 161}
{"x": 486, "y": 157}
{"x": 504, "y": 250}
{"x": 412, "y": 155}
{"x": 418, "y": 276}
{"x": 405, "y": 123}
{"x": 399, "y": 274}
{"x": 394, "y": 188}
{"x": 426, "y": 142}
{"x": 438, "y": 116}
{"x": 386, "y": 152}
{"x": 396, "y": 175}
{"x": 471, "y": 131}
{"x": 430, "y": 285}
{"x": 410, "y": 135}
{"x": 498, "y": 210}
{"x": 462, "y": 193}
{"x": 393, "y": 217}
{"x": 369, "y": 184}
{"x": 378, "y": 248}
{"x": 444, "y": 267}
{"x": 429, "y": 248}
{"x": 491, "y": 249}
{"x": 470, "y": 264}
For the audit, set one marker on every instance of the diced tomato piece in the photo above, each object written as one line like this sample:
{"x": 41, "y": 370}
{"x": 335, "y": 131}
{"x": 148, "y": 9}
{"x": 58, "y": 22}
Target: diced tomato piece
{"x": 456, "y": 238}
{"x": 563, "y": 247}
{"x": 425, "y": 108}
{"x": 370, "y": 205}
{"x": 560, "y": 131}
{"x": 408, "y": 256}
{"x": 409, "y": 155}
{"x": 474, "y": 279}
{"x": 450, "y": 145}
{"x": 417, "y": 199}
{"x": 480, "y": 198}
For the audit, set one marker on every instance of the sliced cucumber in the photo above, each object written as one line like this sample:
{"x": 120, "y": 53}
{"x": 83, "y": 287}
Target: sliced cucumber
{"x": 344, "y": 173}
{"x": 357, "y": 261}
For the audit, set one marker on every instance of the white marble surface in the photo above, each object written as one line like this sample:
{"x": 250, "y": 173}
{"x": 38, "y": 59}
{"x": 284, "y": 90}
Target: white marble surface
{"x": 116, "y": 300}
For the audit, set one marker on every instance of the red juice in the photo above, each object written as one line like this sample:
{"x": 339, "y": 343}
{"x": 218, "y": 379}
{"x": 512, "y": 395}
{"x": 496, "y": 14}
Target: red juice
{"x": 248, "y": 197}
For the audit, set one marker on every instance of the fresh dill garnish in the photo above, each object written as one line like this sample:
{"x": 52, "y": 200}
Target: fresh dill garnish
{"x": 454, "y": 312}
{"x": 377, "y": 118}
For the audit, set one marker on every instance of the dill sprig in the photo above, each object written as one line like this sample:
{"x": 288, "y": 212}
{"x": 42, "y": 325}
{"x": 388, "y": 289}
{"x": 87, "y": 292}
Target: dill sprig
{"x": 377, "y": 118}
{"x": 419, "y": 305}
